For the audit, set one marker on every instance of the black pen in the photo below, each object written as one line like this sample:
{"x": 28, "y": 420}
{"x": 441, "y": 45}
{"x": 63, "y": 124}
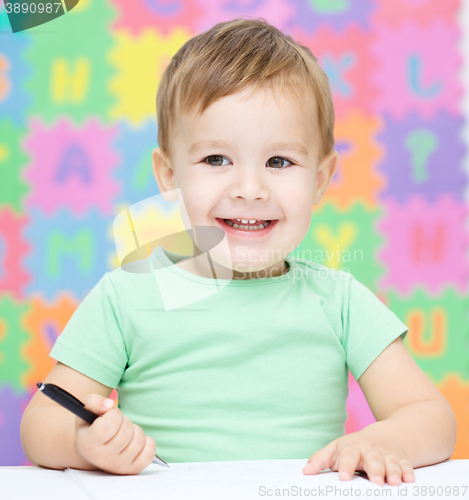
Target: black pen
{"x": 65, "y": 399}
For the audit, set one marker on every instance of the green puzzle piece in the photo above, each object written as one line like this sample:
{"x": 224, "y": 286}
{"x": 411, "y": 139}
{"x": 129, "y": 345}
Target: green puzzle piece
{"x": 453, "y": 357}
{"x": 71, "y": 78}
{"x": 344, "y": 240}
{"x": 12, "y": 162}
{"x": 13, "y": 336}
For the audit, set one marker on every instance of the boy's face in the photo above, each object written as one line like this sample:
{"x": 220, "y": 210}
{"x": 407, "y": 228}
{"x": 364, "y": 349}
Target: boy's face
{"x": 254, "y": 172}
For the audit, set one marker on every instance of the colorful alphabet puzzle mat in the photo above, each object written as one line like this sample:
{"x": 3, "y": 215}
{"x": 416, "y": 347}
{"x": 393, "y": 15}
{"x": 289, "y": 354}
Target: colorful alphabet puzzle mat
{"x": 78, "y": 125}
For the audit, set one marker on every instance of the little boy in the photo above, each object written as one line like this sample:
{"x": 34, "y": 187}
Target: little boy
{"x": 258, "y": 370}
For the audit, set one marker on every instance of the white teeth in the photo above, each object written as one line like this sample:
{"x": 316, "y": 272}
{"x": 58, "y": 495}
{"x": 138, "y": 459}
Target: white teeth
{"x": 247, "y": 228}
{"x": 244, "y": 221}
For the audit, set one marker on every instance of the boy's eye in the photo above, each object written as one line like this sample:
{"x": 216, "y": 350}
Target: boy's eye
{"x": 218, "y": 160}
{"x": 277, "y": 163}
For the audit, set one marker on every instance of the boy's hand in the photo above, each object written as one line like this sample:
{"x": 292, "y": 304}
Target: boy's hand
{"x": 372, "y": 450}
{"x": 112, "y": 442}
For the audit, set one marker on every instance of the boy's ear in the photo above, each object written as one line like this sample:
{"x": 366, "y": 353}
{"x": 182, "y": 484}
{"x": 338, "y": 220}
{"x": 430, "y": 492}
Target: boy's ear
{"x": 324, "y": 173}
{"x": 164, "y": 174}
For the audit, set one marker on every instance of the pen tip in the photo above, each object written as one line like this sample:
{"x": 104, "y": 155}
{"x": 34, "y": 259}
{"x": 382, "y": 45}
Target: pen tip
{"x": 39, "y": 384}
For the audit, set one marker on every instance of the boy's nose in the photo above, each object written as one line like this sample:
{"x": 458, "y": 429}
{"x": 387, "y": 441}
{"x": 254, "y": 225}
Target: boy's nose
{"x": 250, "y": 186}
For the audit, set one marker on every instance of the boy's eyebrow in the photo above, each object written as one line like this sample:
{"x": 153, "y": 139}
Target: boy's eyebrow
{"x": 294, "y": 147}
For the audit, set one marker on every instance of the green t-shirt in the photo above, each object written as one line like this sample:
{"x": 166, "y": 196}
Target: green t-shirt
{"x": 257, "y": 370}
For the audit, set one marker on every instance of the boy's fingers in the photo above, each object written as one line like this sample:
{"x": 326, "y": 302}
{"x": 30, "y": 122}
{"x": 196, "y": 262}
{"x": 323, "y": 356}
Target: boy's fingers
{"x": 393, "y": 471}
{"x": 107, "y": 426}
{"x": 146, "y": 456}
{"x": 131, "y": 442}
{"x": 349, "y": 459}
{"x": 407, "y": 471}
{"x": 321, "y": 459}
{"x": 123, "y": 436}
{"x": 97, "y": 404}
{"x": 375, "y": 469}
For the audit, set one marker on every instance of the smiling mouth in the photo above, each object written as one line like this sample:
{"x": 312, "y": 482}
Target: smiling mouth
{"x": 246, "y": 228}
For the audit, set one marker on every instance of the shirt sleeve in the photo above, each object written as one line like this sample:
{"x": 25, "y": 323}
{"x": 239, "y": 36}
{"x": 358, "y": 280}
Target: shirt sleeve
{"x": 369, "y": 326}
{"x": 92, "y": 341}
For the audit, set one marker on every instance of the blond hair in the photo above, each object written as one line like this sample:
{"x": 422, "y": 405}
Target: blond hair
{"x": 234, "y": 55}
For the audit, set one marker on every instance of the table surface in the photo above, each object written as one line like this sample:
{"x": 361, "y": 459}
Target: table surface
{"x": 228, "y": 480}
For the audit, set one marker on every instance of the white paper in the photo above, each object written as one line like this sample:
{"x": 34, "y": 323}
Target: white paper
{"x": 38, "y": 483}
{"x": 262, "y": 478}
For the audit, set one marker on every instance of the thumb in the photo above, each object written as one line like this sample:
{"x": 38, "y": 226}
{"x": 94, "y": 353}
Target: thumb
{"x": 97, "y": 404}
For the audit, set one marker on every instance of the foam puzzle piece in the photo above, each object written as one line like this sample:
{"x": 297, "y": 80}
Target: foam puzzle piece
{"x": 416, "y": 149}
{"x": 136, "y": 16}
{"x": 426, "y": 244}
{"x": 71, "y": 166}
{"x": 14, "y": 71}
{"x": 70, "y": 77}
{"x": 139, "y": 62}
{"x": 456, "y": 390}
{"x": 277, "y": 12}
{"x": 68, "y": 253}
{"x": 338, "y": 14}
{"x": 344, "y": 239}
{"x": 348, "y": 62}
{"x": 421, "y": 12}
{"x": 13, "y": 249}
{"x": 359, "y": 178}
{"x": 438, "y": 337}
{"x": 134, "y": 146}
{"x": 13, "y": 335}
{"x": 410, "y": 77}
{"x": 44, "y": 322}
{"x": 14, "y": 403}
{"x": 12, "y": 162}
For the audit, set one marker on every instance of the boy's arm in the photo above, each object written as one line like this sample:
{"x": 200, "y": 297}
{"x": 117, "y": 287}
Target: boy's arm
{"x": 415, "y": 425}
{"x": 407, "y": 404}
{"x": 48, "y": 438}
{"x": 48, "y": 430}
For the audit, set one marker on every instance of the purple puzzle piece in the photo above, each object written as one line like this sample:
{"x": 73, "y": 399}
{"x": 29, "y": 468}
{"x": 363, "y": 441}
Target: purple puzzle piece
{"x": 11, "y": 450}
{"x": 423, "y": 156}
